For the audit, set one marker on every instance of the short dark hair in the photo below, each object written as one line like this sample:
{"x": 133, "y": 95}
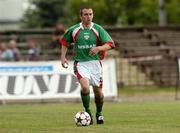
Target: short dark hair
{"x": 84, "y": 7}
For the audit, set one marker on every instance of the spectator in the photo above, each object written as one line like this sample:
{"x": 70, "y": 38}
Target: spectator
{"x": 6, "y": 53}
{"x": 57, "y": 34}
{"x": 33, "y": 52}
{"x": 15, "y": 50}
{"x": 0, "y": 50}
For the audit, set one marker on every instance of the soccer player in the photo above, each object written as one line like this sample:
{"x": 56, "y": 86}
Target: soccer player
{"x": 90, "y": 41}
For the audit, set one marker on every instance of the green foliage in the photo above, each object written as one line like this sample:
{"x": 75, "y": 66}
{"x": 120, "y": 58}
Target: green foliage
{"x": 139, "y": 12}
{"x": 131, "y": 8}
{"x": 45, "y": 14}
{"x": 114, "y": 12}
{"x": 173, "y": 11}
{"x": 148, "y": 13}
{"x": 106, "y": 12}
{"x": 99, "y": 8}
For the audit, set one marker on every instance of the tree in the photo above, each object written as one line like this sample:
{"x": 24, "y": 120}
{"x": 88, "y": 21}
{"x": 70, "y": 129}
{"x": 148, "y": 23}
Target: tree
{"x": 173, "y": 11}
{"x": 45, "y": 14}
{"x": 114, "y": 9}
{"x": 99, "y": 7}
{"x": 118, "y": 12}
{"x": 106, "y": 12}
{"x": 139, "y": 12}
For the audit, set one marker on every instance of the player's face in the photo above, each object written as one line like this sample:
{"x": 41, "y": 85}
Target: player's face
{"x": 86, "y": 16}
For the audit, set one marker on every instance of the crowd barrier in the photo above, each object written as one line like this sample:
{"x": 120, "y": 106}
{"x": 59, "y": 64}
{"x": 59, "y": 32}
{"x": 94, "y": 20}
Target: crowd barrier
{"x": 47, "y": 80}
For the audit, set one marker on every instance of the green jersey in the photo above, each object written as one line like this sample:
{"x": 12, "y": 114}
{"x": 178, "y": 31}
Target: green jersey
{"x": 85, "y": 39}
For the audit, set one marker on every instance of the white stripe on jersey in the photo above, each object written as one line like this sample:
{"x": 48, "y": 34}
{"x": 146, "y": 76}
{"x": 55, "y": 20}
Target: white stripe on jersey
{"x": 95, "y": 31}
{"x": 75, "y": 32}
{"x": 91, "y": 25}
{"x": 81, "y": 26}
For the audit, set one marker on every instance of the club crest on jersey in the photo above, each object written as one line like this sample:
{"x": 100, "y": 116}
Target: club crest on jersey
{"x": 86, "y": 36}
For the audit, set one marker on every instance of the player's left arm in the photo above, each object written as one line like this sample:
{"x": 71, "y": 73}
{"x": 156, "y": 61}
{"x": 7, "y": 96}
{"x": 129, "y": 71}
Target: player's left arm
{"x": 106, "y": 40}
{"x": 105, "y": 47}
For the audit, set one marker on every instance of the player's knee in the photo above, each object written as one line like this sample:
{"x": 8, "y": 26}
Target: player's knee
{"x": 85, "y": 89}
{"x": 98, "y": 92}
{"x": 98, "y": 95}
{"x": 84, "y": 84}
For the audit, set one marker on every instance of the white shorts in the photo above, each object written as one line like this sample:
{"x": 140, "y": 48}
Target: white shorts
{"x": 91, "y": 70}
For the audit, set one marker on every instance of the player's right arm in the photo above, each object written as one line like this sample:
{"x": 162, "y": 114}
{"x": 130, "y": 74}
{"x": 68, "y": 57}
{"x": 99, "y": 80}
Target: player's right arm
{"x": 65, "y": 42}
{"x": 64, "y": 61}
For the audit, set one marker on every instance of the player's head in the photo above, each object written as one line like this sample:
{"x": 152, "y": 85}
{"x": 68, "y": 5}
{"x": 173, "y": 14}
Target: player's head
{"x": 86, "y": 15}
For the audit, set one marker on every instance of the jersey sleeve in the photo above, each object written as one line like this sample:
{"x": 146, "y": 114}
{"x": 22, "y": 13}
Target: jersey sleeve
{"x": 105, "y": 37}
{"x": 67, "y": 38}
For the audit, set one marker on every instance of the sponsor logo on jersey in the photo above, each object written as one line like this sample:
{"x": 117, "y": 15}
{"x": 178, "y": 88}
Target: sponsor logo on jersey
{"x": 86, "y": 46}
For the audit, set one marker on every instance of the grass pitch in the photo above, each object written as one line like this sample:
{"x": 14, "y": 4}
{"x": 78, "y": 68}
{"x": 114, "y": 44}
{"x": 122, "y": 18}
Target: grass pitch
{"x": 123, "y": 117}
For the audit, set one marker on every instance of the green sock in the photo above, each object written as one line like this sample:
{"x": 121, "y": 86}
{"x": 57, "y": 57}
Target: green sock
{"x": 99, "y": 104}
{"x": 86, "y": 100}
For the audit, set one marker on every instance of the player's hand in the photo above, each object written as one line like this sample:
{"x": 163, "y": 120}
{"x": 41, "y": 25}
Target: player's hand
{"x": 94, "y": 51}
{"x": 64, "y": 62}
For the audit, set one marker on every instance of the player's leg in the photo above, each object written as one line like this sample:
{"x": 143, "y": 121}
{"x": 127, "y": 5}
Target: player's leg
{"x": 85, "y": 96}
{"x": 99, "y": 100}
{"x": 97, "y": 82}
{"x": 85, "y": 93}
{"x": 82, "y": 74}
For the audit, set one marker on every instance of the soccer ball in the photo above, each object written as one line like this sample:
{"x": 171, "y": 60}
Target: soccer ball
{"x": 82, "y": 118}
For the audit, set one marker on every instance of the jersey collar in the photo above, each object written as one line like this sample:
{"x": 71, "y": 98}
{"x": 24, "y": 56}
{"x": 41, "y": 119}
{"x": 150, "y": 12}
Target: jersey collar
{"x": 81, "y": 26}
